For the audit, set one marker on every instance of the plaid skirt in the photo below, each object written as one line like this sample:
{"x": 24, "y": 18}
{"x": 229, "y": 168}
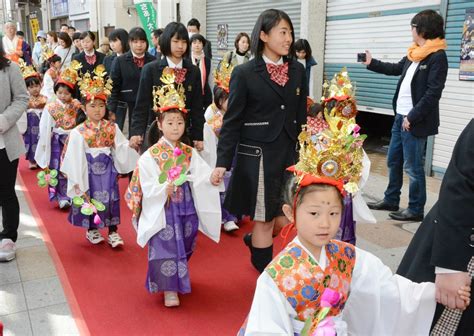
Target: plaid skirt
{"x": 259, "y": 177}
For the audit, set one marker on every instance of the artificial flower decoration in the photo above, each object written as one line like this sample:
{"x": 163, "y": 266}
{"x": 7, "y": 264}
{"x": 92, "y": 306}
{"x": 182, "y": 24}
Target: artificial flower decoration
{"x": 89, "y": 207}
{"x": 339, "y": 95}
{"x": 320, "y": 324}
{"x": 170, "y": 95}
{"x": 46, "y": 53}
{"x": 173, "y": 169}
{"x": 96, "y": 86}
{"x": 48, "y": 177}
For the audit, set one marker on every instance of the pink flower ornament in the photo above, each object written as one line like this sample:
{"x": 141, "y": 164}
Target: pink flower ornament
{"x": 177, "y": 152}
{"x": 330, "y": 298}
{"x": 174, "y": 173}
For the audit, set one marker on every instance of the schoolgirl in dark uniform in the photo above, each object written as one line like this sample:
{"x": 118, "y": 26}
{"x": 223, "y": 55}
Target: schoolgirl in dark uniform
{"x": 267, "y": 106}
{"x": 174, "y": 45}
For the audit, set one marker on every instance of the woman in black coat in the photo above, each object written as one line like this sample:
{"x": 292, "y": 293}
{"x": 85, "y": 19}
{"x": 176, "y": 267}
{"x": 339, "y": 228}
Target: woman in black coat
{"x": 174, "y": 45}
{"x": 266, "y": 108}
{"x": 199, "y": 59}
{"x": 125, "y": 75}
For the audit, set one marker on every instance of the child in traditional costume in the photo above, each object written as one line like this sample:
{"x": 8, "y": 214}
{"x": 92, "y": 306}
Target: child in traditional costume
{"x": 57, "y": 121}
{"x": 33, "y": 113}
{"x": 321, "y": 286}
{"x": 171, "y": 197}
{"x": 96, "y": 152}
{"x": 51, "y": 75}
{"x": 212, "y": 128}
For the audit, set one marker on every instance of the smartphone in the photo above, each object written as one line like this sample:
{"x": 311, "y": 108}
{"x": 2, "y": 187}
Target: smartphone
{"x": 361, "y": 57}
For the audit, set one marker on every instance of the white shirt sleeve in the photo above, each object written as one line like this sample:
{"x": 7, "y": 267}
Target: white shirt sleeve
{"x": 75, "y": 165}
{"x": 125, "y": 157}
{"x": 43, "y": 149}
{"x": 381, "y": 303}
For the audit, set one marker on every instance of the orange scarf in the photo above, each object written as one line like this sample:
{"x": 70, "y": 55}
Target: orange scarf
{"x": 416, "y": 53}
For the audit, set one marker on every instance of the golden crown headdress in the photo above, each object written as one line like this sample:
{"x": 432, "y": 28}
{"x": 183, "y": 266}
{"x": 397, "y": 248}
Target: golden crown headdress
{"x": 97, "y": 86}
{"x": 339, "y": 95}
{"x": 222, "y": 75}
{"x": 70, "y": 75}
{"x": 27, "y": 71}
{"x": 170, "y": 95}
{"x": 46, "y": 53}
{"x": 333, "y": 156}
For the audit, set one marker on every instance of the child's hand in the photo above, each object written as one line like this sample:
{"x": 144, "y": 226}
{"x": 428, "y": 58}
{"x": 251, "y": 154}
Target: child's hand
{"x": 217, "y": 175}
{"x": 465, "y": 295}
{"x": 170, "y": 188}
{"x": 77, "y": 190}
{"x": 199, "y": 145}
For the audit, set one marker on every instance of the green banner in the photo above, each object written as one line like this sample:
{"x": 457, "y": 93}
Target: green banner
{"x": 147, "y": 14}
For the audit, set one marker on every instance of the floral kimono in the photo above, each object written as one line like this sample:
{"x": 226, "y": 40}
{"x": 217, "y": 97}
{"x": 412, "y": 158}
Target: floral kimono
{"x": 31, "y": 134}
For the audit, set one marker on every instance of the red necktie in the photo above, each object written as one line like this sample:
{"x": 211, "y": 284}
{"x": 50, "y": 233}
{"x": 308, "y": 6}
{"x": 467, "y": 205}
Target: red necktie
{"x": 90, "y": 59}
{"x": 278, "y": 73}
{"x": 139, "y": 62}
{"x": 180, "y": 75}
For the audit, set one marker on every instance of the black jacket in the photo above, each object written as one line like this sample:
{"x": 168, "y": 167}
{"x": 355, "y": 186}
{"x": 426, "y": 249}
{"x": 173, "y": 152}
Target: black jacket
{"x": 143, "y": 114}
{"x": 446, "y": 236}
{"x": 207, "y": 96}
{"x": 126, "y": 78}
{"x": 426, "y": 88}
{"x": 81, "y": 57}
{"x": 259, "y": 109}
{"x": 108, "y": 60}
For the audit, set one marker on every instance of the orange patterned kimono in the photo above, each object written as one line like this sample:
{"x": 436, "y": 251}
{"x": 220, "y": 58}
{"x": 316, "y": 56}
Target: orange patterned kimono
{"x": 64, "y": 116}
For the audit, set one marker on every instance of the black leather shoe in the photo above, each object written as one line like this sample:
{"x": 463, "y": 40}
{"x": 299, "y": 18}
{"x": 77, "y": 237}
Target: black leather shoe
{"x": 248, "y": 240}
{"x": 381, "y": 205}
{"x": 406, "y": 215}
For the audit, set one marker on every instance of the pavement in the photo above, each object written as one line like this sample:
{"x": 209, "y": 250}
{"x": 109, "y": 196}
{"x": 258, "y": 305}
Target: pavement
{"x": 32, "y": 299}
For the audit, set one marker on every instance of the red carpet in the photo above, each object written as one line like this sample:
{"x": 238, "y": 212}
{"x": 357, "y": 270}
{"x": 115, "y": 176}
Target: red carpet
{"x": 105, "y": 288}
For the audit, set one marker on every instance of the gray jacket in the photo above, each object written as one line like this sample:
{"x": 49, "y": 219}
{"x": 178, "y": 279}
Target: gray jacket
{"x": 13, "y": 103}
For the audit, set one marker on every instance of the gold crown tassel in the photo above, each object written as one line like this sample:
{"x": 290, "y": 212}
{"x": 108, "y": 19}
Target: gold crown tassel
{"x": 46, "y": 53}
{"x": 95, "y": 86}
{"x": 70, "y": 75}
{"x": 170, "y": 95}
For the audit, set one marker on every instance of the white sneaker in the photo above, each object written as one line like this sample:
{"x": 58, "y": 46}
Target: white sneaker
{"x": 115, "y": 239}
{"x": 64, "y": 204}
{"x": 230, "y": 226}
{"x": 7, "y": 250}
{"x": 94, "y": 236}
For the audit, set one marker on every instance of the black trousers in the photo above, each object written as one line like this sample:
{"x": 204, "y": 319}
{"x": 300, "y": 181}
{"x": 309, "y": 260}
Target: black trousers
{"x": 121, "y": 113}
{"x": 8, "y": 198}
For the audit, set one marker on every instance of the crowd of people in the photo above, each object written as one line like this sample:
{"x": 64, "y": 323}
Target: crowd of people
{"x": 203, "y": 148}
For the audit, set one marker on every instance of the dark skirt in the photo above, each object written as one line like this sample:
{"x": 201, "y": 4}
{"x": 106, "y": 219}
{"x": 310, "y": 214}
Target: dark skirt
{"x": 31, "y": 135}
{"x": 244, "y": 197}
{"x": 104, "y": 188}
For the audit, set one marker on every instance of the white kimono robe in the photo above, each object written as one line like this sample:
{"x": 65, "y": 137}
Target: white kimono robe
{"x": 206, "y": 198}
{"x": 380, "y": 303}
{"x": 75, "y": 165}
{"x": 209, "y": 153}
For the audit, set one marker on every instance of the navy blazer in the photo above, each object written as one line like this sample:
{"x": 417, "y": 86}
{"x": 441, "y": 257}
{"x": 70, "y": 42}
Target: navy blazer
{"x": 143, "y": 113}
{"x": 126, "y": 78}
{"x": 81, "y": 57}
{"x": 426, "y": 88}
{"x": 259, "y": 109}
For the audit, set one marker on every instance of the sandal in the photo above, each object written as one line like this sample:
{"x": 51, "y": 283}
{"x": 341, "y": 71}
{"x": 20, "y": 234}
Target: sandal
{"x": 171, "y": 299}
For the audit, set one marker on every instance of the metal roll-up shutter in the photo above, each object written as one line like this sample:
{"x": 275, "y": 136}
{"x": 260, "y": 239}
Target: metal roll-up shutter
{"x": 241, "y": 17}
{"x": 457, "y": 101}
{"x": 383, "y": 27}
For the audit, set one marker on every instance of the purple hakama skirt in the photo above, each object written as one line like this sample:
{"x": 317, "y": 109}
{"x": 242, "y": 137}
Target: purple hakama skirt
{"x": 346, "y": 232}
{"x": 31, "y": 136}
{"x": 170, "y": 249}
{"x": 103, "y": 187}
{"x": 58, "y": 192}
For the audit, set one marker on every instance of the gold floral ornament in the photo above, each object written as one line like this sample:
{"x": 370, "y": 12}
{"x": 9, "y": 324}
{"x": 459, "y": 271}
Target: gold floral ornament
{"x": 27, "y": 71}
{"x": 46, "y": 53}
{"x": 222, "y": 75}
{"x": 170, "y": 95}
{"x": 70, "y": 75}
{"x": 96, "y": 86}
{"x": 333, "y": 156}
{"x": 339, "y": 95}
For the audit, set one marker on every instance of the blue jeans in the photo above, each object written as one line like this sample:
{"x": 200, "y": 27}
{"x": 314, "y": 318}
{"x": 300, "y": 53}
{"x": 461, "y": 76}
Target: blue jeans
{"x": 405, "y": 152}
